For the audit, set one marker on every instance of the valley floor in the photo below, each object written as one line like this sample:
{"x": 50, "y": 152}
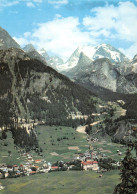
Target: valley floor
{"x": 82, "y": 182}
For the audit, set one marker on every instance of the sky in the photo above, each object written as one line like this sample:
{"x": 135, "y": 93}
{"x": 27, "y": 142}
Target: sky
{"x": 60, "y": 26}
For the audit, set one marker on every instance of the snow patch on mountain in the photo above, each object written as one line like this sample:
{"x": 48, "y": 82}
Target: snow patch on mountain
{"x": 100, "y": 51}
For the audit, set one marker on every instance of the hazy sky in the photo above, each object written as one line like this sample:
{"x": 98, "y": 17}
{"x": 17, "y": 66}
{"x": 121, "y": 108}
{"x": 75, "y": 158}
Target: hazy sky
{"x": 60, "y": 26}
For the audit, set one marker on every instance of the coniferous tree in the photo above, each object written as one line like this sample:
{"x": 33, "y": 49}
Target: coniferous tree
{"x": 128, "y": 172}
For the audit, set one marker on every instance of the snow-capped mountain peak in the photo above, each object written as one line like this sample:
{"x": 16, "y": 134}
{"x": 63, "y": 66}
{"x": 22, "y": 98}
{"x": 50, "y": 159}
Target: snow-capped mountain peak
{"x": 100, "y": 51}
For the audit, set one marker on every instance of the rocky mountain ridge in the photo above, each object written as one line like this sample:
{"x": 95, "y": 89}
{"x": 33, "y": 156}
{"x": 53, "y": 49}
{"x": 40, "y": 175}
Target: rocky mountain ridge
{"x": 104, "y": 74}
{"x": 6, "y": 41}
{"x": 93, "y": 53}
{"x": 30, "y": 89}
{"x": 52, "y": 61}
{"x": 38, "y": 92}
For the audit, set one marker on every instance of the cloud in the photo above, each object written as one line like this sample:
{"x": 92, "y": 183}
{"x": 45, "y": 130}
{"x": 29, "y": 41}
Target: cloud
{"x": 60, "y": 36}
{"x": 117, "y": 22}
{"x": 58, "y": 3}
{"x": 38, "y": 1}
{"x": 110, "y": 23}
{"x": 7, "y": 3}
{"x": 21, "y": 41}
{"x": 131, "y": 51}
{"x": 30, "y": 4}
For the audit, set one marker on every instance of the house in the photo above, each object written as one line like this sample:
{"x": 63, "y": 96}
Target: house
{"x": 90, "y": 165}
{"x": 45, "y": 165}
{"x": 1, "y": 187}
{"x": 21, "y": 167}
{"x": 4, "y": 169}
{"x": 10, "y": 168}
{"x": 44, "y": 170}
{"x": 15, "y": 167}
{"x": 89, "y": 159}
{"x": 37, "y": 168}
{"x": 6, "y": 174}
{"x": 32, "y": 172}
{"x": 30, "y": 159}
{"x": 25, "y": 168}
{"x": 54, "y": 168}
{"x": 95, "y": 165}
{"x": 37, "y": 161}
{"x": 71, "y": 167}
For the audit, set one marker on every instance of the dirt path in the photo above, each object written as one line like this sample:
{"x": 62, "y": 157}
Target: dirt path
{"x": 81, "y": 129}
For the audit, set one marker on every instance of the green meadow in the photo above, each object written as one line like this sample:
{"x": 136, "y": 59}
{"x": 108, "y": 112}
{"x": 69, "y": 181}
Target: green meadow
{"x": 68, "y": 182}
{"x": 60, "y": 143}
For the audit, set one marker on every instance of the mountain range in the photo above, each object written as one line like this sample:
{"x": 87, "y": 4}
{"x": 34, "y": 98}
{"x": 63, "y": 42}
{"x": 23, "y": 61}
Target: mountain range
{"x": 36, "y": 91}
{"x": 102, "y": 66}
{"x": 93, "y": 53}
{"x": 32, "y": 90}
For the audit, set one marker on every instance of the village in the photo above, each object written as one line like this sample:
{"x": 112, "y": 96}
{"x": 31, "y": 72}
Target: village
{"x": 84, "y": 161}
{"x": 90, "y": 160}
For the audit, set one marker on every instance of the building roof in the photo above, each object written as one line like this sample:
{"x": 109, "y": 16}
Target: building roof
{"x": 36, "y": 166}
{"x": 33, "y": 172}
{"x": 54, "y": 167}
{"x": 89, "y": 162}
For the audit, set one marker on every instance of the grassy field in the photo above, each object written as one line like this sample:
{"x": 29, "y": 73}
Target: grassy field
{"x": 110, "y": 149}
{"x": 68, "y": 182}
{"x": 57, "y": 143}
{"x": 60, "y": 143}
{"x": 8, "y": 145}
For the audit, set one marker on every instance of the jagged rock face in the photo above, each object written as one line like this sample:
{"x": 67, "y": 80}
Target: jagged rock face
{"x": 32, "y": 53}
{"x": 29, "y": 48}
{"x": 115, "y": 72}
{"x": 52, "y": 61}
{"x": 6, "y": 41}
{"x": 101, "y": 73}
{"x": 93, "y": 53}
{"x": 104, "y": 74}
{"x": 44, "y": 54}
{"x": 83, "y": 65}
{"x": 35, "y": 55}
{"x": 135, "y": 57}
{"x": 109, "y": 52}
{"x": 37, "y": 90}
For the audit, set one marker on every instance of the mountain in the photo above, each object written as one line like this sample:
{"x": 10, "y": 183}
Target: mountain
{"x": 109, "y": 52}
{"x": 52, "y": 61}
{"x": 115, "y": 73}
{"x": 29, "y": 48}
{"x": 102, "y": 73}
{"x": 36, "y": 91}
{"x": 93, "y": 53}
{"x": 6, "y": 41}
{"x": 32, "y": 53}
{"x": 83, "y": 65}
